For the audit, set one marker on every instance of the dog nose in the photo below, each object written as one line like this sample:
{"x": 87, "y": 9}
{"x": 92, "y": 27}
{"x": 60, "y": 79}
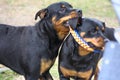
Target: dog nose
{"x": 79, "y": 12}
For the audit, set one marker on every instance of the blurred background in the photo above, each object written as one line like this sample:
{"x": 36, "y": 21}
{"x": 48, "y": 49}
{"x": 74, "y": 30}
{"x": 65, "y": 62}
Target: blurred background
{"x": 22, "y": 12}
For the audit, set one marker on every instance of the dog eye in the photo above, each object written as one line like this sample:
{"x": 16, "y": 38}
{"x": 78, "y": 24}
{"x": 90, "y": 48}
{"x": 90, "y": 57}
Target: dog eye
{"x": 62, "y": 10}
{"x": 93, "y": 31}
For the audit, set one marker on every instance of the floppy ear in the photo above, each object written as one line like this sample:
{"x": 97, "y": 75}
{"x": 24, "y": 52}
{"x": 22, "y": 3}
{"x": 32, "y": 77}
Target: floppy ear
{"x": 41, "y": 14}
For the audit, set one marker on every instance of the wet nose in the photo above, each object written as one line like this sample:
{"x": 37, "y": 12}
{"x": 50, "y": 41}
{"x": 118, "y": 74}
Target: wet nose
{"x": 79, "y": 12}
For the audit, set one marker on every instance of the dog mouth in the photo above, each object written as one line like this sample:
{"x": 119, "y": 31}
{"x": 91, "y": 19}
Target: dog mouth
{"x": 73, "y": 23}
{"x": 79, "y": 21}
{"x": 93, "y": 46}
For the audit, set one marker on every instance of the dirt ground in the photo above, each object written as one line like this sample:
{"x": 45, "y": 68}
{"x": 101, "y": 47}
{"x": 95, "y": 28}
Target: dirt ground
{"x": 22, "y": 12}
{"x": 18, "y": 14}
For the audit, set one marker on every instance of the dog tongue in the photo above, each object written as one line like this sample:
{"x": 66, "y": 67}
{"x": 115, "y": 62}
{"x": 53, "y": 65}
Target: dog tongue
{"x": 73, "y": 23}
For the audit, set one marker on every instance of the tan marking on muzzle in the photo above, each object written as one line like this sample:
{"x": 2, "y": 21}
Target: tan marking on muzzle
{"x": 73, "y": 14}
{"x": 62, "y": 30}
{"x": 98, "y": 42}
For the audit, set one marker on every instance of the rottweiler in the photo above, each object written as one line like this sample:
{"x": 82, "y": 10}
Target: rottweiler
{"x": 78, "y": 57}
{"x": 31, "y": 51}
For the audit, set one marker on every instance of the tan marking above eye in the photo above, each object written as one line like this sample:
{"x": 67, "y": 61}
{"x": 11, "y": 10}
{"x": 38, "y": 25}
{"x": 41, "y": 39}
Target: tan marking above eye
{"x": 62, "y": 6}
{"x": 68, "y": 72}
{"x": 103, "y": 29}
{"x": 97, "y": 28}
{"x": 82, "y": 34}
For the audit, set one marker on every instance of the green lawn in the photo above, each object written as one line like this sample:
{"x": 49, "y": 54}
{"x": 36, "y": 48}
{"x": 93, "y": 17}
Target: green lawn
{"x": 100, "y": 9}
{"x": 7, "y": 75}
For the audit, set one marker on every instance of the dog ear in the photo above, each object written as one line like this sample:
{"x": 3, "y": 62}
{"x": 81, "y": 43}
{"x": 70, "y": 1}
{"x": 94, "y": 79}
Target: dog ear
{"x": 41, "y": 14}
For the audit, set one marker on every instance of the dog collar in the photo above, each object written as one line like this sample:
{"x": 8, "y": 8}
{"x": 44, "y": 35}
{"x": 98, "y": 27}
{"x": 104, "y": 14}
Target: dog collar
{"x": 81, "y": 41}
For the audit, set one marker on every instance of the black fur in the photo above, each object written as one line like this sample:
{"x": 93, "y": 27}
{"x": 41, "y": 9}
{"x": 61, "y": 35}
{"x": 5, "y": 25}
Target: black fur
{"x": 71, "y": 62}
{"x": 32, "y": 50}
{"x": 109, "y": 33}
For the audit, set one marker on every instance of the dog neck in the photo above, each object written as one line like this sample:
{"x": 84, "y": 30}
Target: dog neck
{"x": 49, "y": 33}
{"x": 46, "y": 28}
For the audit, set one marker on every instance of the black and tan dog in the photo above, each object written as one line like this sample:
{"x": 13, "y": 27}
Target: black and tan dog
{"x": 79, "y": 56}
{"x": 31, "y": 51}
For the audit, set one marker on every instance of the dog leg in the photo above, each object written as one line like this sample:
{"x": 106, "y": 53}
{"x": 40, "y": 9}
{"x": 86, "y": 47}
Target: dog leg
{"x": 96, "y": 73}
{"x": 62, "y": 77}
{"x": 41, "y": 78}
{"x": 29, "y": 77}
{"x": 48, "y": 76}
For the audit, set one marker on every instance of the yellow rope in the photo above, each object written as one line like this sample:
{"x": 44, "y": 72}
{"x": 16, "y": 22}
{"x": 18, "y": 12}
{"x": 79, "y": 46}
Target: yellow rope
{"x": 81, "y": 43}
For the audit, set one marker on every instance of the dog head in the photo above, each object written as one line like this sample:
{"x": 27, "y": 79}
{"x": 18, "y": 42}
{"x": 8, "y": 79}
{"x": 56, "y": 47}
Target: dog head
{"x": 92, "y": 31}
{"x": 61, "y": 15}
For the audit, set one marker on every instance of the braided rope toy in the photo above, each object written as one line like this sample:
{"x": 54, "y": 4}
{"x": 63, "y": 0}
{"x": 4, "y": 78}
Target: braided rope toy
{"x": 81, "y": 41}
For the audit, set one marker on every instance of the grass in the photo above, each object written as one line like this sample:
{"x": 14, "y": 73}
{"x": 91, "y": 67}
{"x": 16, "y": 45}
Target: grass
{"x": 100, "y": 9}
{"x": 7, "y": 75}
{"x": 90, "y": 7}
